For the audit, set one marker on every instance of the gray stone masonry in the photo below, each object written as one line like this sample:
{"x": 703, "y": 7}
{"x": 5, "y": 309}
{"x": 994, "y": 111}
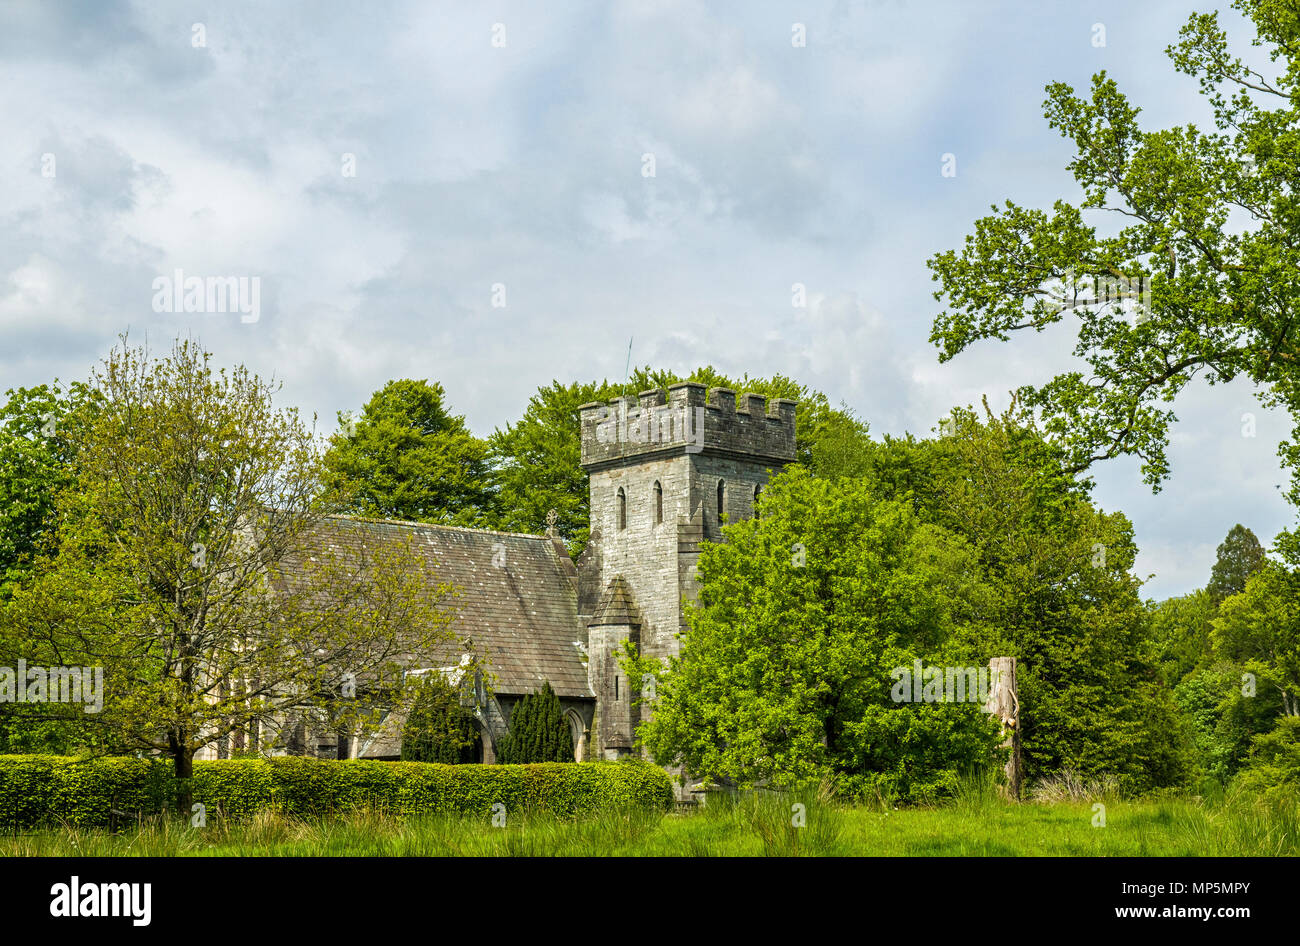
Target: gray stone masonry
{"x": 659, "y": 465}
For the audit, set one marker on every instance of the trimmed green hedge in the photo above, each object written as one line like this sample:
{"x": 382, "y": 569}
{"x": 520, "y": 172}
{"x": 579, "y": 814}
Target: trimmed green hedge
{"x": 45, "y": 790}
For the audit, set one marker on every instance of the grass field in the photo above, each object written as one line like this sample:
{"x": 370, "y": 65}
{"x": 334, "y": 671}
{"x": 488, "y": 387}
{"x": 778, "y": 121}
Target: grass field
{"x": 755, "y": 826}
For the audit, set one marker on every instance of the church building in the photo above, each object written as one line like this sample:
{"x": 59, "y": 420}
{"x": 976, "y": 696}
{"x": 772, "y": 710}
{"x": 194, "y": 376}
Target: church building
{"x": 666, "y": 471}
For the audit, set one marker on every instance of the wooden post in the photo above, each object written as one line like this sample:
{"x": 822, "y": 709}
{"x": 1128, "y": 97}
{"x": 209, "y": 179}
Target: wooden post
{"x": 1004, "y": 700}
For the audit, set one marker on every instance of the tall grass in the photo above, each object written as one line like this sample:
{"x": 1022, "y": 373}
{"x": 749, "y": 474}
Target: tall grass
{"x": 784, "y": 824}
{"x": 1241, "y": 824}
{"x": 979, "y": 792}
{"x": 977, "y": 822}
{"x": 1070, "y": 786}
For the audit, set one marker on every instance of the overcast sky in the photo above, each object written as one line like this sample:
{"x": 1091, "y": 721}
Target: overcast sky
{"x": 505, "y": 143}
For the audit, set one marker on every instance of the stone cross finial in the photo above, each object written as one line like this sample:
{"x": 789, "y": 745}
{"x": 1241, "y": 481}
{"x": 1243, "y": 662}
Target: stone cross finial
{"x": 551, "y": 518}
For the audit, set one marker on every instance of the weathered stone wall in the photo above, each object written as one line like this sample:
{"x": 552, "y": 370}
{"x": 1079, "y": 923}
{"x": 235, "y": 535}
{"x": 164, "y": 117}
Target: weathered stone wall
{"x": 614, "y": 695}
{"x": 644, "y": 551}
{"x": 736, "y": 444}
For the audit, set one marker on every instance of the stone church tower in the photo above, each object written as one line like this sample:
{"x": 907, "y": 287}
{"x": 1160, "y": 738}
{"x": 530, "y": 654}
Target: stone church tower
{"x": 665, "y": 474}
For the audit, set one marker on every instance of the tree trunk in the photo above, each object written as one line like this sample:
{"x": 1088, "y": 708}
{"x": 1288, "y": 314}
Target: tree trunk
{"x": 1004, "y": 701}
{"x": 183, "y": 756}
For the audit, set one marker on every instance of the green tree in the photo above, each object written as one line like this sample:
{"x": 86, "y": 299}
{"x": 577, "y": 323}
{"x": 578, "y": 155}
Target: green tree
{"x": 438, "y": 728}
{"x": 1180, "y": 630}
{"x": 1262, "y": 624}
{"x": 842, "y": 446}
{"x": 1239, "y": 556}
{"x": 185, "y": 566}
{"x": 1232, "y": 652}
{"x": 36, "y": 461}
{"x": 538, "y": 730}
{"x": 785, "y": 673}
{"x": 537, "y": 463}
{"x": 1274, "y": 764}
{"x": 1210, "y": 238}
{"x": 1223, "y": 719}
{"x": 408, "y": 457}
{"x": 1066, "y": 602}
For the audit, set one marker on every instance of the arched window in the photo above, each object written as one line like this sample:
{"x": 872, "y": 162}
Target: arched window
{"x": 722, "y": 501}
{"x": 622, "y": 509}
{"x": 579, "y": 735}
{"x": 758, "y": 491}
{"x": 659, "y": 503}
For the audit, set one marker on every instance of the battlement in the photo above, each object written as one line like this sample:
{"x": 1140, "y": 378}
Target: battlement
{"x": 685, "y": 420}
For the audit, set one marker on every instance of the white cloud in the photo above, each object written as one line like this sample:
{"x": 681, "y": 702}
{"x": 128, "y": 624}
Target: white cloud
{"x": 522, "y": 165}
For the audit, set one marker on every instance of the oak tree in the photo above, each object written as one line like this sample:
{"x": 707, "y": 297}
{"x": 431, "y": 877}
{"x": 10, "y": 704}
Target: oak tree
{"x": 1201, "y": 278}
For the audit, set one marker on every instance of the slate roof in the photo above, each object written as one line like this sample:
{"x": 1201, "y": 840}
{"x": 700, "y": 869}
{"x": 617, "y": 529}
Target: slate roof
{"x": 522, "y": 613}
{"x": 617, "y": 606}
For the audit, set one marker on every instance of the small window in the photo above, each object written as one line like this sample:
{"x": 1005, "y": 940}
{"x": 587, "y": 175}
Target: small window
{"x": 622, "y": 509}
{"x": 758, "y": 491}
{"x": 615, "y": 688}
{"x": 722, "y": 501}
{"x": 659, "y": 503}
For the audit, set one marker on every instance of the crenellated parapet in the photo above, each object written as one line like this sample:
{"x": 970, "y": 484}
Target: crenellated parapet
{"x": 686, "y": 420}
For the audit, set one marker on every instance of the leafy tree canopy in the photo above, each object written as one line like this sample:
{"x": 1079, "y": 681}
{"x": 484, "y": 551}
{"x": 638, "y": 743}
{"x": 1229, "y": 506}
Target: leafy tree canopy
{"x": 1068, "y": 602}
{"x": 785, "y": 673}
{"x": 1180, "y": 629}
{"x": 1262, "y": 625}
{"x": 1061, "y": 595}
{"x": 1224, "y": 648}
{"x": 184, "y": 566}
{"x": 37, "y": 443}
{"x": 408, "y": 457}
{"x": 537, "y": 463}
{"x": 438, "y": 728}
{"x": 1210, "y": 248}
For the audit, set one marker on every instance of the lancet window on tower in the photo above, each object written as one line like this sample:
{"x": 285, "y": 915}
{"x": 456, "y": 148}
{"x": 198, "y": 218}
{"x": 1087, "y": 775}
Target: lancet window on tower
{"x": 622, "y": 509}
{"x": 658, "y": 502}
